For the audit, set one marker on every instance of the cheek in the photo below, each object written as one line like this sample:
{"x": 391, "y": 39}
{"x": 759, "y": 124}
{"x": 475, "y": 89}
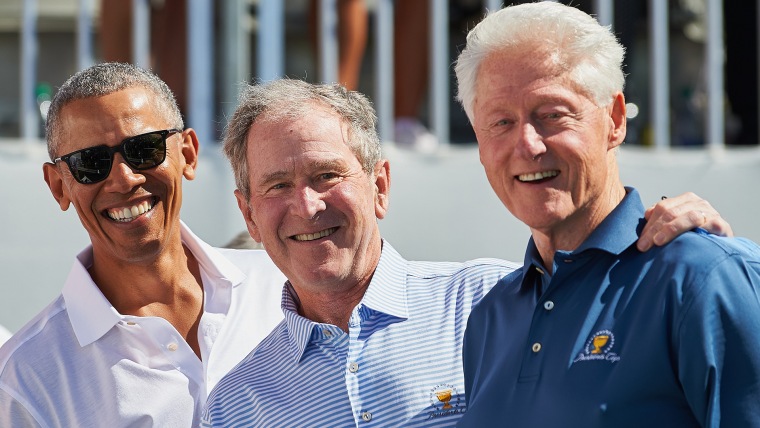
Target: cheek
{"x": 494, "y": 159}
{"x": 262, "y": 215}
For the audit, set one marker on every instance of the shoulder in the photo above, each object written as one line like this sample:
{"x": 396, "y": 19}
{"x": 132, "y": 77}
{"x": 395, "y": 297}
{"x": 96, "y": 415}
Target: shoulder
{"x": 247, "y": 260}
{"x": 477, "y": 268}
{"x": 257, "y": 267}
{"x": 699, "y": 276}
{"x": 474, "y": 277}
{"x": 273, "y": 348}
{"x": 38, "y": 337}
{"x": 696, "y": 256}
{"x": 507, "y": 285}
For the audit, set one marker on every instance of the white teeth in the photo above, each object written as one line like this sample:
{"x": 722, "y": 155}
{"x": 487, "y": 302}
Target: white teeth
{"x": 313, "y": 236}
{"x": 129, "y": 213}
{"x": 537, "y": 175}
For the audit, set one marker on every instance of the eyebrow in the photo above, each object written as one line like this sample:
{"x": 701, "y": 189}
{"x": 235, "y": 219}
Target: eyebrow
{"x": 272, "y": 177}
{"x": 316, "y": 165}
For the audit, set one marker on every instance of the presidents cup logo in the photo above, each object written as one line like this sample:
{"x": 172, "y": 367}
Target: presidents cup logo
{"x": 599, "y": 347}
{"x": 445, "y": 401}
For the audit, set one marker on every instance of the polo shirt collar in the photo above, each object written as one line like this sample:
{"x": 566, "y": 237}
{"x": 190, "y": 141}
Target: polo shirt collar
{"x": 618, "y": 231}
{"x": 388, "y": 280}
{"x": 92, "y": 315}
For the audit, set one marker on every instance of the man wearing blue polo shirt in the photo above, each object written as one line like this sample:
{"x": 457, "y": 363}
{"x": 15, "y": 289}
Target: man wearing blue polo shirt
{"x": 369, "y": 338}
{"x": 591, "y": 332}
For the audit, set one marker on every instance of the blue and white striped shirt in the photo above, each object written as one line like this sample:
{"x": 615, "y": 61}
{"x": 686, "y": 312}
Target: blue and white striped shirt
{"x": 400, "y": 364}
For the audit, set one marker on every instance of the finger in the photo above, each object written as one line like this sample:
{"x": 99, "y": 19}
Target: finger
{"x": 681, "y": 224}
{"x": 671, "y": 217}
{"x": 717, "y": 225}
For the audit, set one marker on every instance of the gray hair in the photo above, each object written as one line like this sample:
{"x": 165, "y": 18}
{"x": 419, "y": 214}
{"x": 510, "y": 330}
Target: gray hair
{"x": 103, "y": 79}
{"x": 291, "y": 98}
{"x": 576, "y": 42}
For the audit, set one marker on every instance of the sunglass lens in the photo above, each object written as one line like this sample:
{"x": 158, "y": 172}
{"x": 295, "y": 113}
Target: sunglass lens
{"x": 90, "y": 166}
{"x": 145, "y": 151}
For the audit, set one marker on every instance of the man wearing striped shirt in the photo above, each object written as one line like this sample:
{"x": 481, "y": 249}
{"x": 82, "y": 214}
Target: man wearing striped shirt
{"x": 369, "y": 338}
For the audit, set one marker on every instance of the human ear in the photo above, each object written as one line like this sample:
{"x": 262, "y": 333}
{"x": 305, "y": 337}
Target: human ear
{"x": 55, "y": 183}
{"x": 382, "y": 182}
{"x": 618, "y": 122}
{"x": 245, "y": 209}
{"x": 189, "y": 150}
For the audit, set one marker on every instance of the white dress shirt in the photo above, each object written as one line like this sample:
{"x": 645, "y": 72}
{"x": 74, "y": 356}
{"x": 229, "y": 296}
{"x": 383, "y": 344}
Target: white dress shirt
{"x": 4, "y": 335}
{"x": 81, "y": 363}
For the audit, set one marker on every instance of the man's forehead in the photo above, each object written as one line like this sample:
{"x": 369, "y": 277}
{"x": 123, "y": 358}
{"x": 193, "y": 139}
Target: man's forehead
{"x": 94, "y": 121}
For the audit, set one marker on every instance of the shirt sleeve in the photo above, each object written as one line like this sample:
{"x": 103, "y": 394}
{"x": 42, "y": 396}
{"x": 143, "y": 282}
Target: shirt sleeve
{"x": 718, "y": 344}
{"x": 13, "y": 413}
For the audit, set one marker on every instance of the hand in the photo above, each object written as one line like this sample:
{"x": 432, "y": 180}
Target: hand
{"x": 673, "y": 216}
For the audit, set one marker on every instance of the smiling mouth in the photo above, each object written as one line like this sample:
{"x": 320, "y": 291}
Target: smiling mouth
{"x": 537, "y": 176}
{"x": 129, "y": 213}
{"x": 314, "y": 236}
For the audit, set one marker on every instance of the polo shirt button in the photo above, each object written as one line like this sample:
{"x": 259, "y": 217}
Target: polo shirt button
{"x": 548, "y": 305}
{"x": 353, "y": 367}
{"x": 131, "y": 323}
{"x": 366, "y": 416}
{"x": 172, "y": 346}
{"x": 536, "y": 347}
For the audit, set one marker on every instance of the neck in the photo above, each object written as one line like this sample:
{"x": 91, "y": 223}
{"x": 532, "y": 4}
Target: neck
{"x": 333, "y": 307}
{"x": 168, "y": 286}
{"x": 572, "y": 231}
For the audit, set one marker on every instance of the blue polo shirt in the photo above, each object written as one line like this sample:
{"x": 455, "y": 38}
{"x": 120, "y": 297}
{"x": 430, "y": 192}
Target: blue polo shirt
{"x": 620, "y": 338}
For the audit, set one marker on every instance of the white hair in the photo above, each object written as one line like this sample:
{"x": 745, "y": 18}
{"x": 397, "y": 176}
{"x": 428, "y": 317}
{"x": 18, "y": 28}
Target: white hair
{"x": 575, "y": 41}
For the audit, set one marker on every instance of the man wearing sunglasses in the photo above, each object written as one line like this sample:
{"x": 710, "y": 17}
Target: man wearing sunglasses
{"x": 150, "y": 317}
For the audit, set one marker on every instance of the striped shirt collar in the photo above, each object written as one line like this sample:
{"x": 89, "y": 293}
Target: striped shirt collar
{"x": 387, "y": 285}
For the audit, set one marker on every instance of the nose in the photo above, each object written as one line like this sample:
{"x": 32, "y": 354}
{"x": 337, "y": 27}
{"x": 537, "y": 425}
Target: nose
{"x": 530, "y": 142}
{"x": 307, "y": 203}
{"x": 122, "y": 177}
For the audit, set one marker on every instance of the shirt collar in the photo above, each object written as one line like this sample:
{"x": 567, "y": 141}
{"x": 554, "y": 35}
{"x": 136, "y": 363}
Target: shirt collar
{"x": 92, "y": 315}
{"x": 388, "y": 280}
{"x": 618, "y": 231}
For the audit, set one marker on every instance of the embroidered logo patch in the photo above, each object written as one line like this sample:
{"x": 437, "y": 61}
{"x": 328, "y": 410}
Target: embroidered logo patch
{"x": 445, "y": 401}
{"x": 599, "y": 347}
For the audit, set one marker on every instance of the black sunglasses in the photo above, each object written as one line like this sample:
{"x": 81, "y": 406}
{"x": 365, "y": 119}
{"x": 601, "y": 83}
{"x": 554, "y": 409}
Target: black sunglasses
{"x": 141, "y": 152}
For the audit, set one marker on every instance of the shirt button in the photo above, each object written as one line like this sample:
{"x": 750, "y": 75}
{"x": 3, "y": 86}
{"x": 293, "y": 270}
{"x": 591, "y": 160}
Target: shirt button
{"x": 548, "y": 305}
{"x": 172, "y": 346}
{"x": 131, "y": 323}
{"x": 366, "y": 416}
{"x": 353, "y": 367}
{"x": 328, "y": 333}
{"x": 536, "y": 347}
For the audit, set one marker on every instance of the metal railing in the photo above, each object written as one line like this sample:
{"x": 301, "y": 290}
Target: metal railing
{"x": 271, "y": 59}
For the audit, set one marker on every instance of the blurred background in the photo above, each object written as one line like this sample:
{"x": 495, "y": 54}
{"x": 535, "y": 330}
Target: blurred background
{"x": 692, "y": 93}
